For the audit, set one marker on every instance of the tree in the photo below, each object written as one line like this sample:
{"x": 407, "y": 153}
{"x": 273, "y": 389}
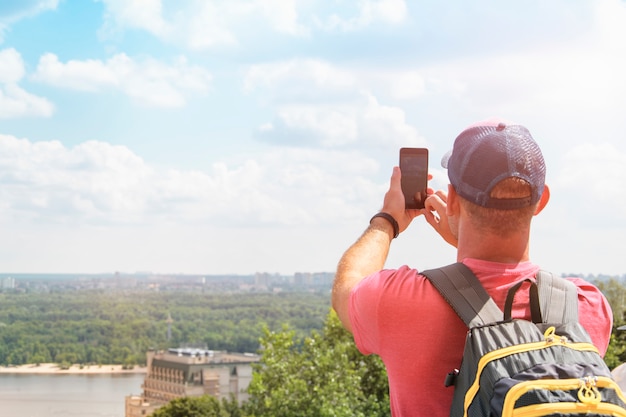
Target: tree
{"x": 615, "y": 294}
{"x": 204, "y": 406}
{"x": 116, "y": 327}
{"x": 321, "y": 375}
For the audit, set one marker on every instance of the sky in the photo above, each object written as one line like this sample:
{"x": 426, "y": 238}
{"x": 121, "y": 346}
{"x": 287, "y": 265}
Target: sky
{"x": 214, "y": 137}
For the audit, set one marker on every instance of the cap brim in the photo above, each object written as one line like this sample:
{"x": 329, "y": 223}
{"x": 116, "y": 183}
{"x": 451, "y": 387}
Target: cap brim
{"x": 446, "y": 158}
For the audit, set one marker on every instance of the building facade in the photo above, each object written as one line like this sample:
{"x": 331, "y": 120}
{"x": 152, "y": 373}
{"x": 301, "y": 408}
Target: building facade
{"x": 184, "y": 372}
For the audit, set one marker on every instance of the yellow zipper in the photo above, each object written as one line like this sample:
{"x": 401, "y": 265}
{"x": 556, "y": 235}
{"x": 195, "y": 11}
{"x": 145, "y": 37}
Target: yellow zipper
{"x": 571, "y": 408}
{"x": 557, "y": 384}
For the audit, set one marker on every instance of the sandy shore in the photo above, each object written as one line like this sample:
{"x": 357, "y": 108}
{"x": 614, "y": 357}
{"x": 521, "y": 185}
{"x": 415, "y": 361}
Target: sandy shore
{"x": 52, "y": 368}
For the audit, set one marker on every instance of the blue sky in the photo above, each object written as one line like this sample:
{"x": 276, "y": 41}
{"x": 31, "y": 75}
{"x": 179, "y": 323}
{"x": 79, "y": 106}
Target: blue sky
{"x": 199, "y": 136}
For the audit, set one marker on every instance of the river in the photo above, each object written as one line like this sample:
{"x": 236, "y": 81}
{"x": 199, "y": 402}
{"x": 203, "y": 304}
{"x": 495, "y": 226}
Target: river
{"x": 44, "y": 395}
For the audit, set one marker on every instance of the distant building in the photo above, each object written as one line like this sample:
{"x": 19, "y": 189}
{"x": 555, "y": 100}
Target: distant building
{"x": 7, "y": 283}
{"x": 191, "y": 373}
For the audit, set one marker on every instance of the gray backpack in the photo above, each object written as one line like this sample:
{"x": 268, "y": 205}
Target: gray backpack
{"x": 513, "y": 367}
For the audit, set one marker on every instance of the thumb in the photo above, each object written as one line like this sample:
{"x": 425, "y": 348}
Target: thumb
{"x": 396, "y": 176}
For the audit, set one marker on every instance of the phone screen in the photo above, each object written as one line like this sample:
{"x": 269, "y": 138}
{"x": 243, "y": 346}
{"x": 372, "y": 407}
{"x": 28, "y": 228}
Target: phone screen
{"x": 414, "y": 168}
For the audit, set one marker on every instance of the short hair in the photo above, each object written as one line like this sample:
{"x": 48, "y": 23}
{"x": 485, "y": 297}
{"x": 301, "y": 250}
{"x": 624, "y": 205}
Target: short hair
{"x": 499, "y": 221}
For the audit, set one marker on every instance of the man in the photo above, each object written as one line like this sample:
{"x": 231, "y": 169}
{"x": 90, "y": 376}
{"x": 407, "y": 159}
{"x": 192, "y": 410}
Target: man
{"x": 497, "y": 176}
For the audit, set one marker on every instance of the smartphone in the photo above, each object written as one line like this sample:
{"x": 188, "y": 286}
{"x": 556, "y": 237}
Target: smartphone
{"x": 414, "y": 168}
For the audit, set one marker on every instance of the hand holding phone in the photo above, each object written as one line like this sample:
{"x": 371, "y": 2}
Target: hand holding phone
{"x": 414, "y": 169}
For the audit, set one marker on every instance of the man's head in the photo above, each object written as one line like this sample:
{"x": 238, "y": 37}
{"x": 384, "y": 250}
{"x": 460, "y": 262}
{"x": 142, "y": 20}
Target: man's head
{"x": 499, "y": 172}
{"x": 488, "y": 152}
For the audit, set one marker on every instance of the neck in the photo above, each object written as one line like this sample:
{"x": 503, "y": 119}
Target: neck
{"x": 510, "y": 249}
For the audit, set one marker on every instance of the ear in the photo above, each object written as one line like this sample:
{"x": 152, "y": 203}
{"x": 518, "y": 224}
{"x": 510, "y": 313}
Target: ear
{"x": 452, "y": 204}
{"x": 545, "y": 196}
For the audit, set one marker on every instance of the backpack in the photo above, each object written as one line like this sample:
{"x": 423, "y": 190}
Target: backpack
{"x": 514, "y": 367}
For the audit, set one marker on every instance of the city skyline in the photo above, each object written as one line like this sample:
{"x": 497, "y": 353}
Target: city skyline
{"x": 206, "y": 137}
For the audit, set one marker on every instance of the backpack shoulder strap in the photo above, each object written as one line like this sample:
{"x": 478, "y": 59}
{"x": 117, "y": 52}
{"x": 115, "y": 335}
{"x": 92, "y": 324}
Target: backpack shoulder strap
{"x": 558, "y": 298}
{"x": 463, "y": 291}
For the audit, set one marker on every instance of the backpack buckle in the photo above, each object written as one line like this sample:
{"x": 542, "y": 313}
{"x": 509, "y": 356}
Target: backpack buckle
{"x": 451, "y": 378}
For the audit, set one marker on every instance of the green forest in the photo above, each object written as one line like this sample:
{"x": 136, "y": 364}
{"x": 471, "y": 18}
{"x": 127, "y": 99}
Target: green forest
{"x": 89, "y": 327}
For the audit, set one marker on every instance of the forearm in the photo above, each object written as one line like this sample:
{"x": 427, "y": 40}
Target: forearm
{"x": 366, "y": 256}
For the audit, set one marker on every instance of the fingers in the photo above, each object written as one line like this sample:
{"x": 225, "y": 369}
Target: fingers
{"x": 435, "y": 205}
{"x": 396, "y": 177}
{"x": 394, "y": 203}
{"x": 394, "y": 198}
{"x": 434, "y": 208}
{"x": 436, "y": 216}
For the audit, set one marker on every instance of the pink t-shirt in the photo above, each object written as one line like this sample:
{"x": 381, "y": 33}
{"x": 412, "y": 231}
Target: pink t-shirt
{"x": 400, "y": 316}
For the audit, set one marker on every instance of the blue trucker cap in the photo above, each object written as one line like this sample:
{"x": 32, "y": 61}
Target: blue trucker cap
{"x": 487, "y": 152}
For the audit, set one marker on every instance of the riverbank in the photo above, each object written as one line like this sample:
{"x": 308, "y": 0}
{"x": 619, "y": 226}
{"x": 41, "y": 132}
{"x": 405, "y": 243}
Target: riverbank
{"x": 53, "y": 368}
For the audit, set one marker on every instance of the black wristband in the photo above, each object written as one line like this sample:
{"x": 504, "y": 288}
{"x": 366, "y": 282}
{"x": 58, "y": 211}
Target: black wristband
{"x": 390, "y": 219}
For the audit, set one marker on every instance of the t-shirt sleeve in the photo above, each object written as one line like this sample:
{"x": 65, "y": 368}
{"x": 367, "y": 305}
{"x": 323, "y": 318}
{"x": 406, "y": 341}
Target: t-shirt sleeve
{"x": 595, "y": 313}
{"x": 364, "y": 300}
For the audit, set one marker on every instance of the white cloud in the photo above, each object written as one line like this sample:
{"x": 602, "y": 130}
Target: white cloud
{"x": 282, "y": 15}
{"x": 327, "y": 125}
{"x": 321, "y": 104}
{"x": 609, "y": 16}
{"x": 15, "y": 101}
{"x": 90, "y": 75}
{"x": 387, "y": 126}
{"x": 11, "y": 12}
{"x": 148, "y": 81}
{"x": 392, "y": 11}
{"x": 368, "y": 12}
{"x": 202, "y": 24}
{"x": 100, "y": 184}
{"x": 299, "y": 77}
{"x": 307, "y": 79}
{"x": 405, "y": 85}
{"x": 11, "y": 66}
{"x": 569, "y": 80}
{"x": 582, "y": 228}
{"x": 361, "y": 122}
{"x": 93, "y": 181}
{"x": 143, "y": 14}
{"x": 592, "y": 181}
{"x": 313, "y": 187}
{"x": 26, "y": 7}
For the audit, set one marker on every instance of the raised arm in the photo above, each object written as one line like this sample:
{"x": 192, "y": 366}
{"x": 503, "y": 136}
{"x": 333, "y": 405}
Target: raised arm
{"x": 369, "y": 253}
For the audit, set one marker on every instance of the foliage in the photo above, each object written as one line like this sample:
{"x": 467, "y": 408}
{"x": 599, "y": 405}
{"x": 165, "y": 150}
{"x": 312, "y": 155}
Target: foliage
{"x": 309, "y": 367}
{"x": 320, "y": 375}
{"x": 204, "y": 406}
{"x": 96, "y": 327}
{"x": 615, "y": 294}
{"x": 615, "y": 352}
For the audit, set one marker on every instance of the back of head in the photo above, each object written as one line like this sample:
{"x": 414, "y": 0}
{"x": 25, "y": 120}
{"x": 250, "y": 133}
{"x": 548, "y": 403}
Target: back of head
{"x": 499, "y": 172}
